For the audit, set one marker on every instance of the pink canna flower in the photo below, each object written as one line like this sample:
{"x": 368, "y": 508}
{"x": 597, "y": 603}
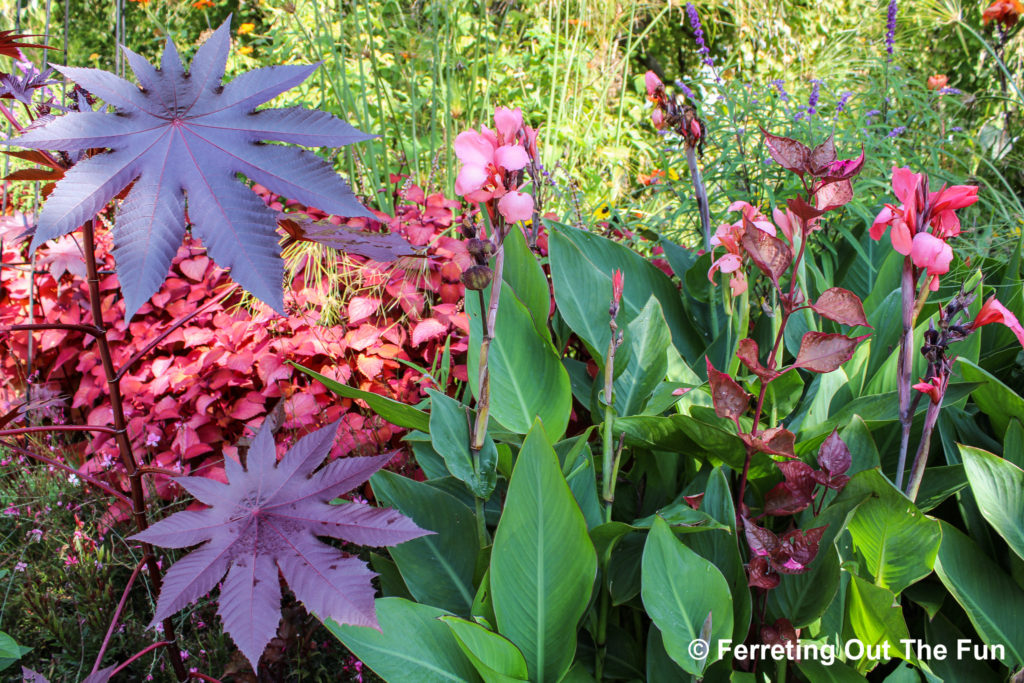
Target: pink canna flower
{"x": 729, "y": 236}
{"x": 652, "y": 82}
{"x": 994, "y": 312}
{"x": 487, "y": 158}
{"x": 617, "y": 284}
{"x": 507, "y": 123}
{"x": 933, "y": 254}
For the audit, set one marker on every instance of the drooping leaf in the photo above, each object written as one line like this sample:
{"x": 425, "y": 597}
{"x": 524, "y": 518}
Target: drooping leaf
{"x": 998, "y": 487}
{"x": 747, "y": 352}
{"x": 824, "y": 352}
{"x": 788, "y": 153}
{"x": 184, "y": 133}
{"x": 381, "y": 247}
{"x": 267, "y": 517}
{"x": 841, "y": 305}
{"x": 770, "y": 254}
{"x": 730, "y": 399}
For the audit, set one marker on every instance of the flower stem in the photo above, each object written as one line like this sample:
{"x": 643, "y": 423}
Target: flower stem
{"x": 904, "y": 365}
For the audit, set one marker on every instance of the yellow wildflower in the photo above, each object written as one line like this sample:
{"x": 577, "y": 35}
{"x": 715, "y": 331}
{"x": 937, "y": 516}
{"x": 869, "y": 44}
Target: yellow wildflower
{"x": 245, "y": 50}
{"x": 247, "y": 27}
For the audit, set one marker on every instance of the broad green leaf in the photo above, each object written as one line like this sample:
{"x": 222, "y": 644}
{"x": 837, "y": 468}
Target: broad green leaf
{"x": 527, "y": 379}
{"x": 995, "y": 399}
{"x": 998, "y": 487}
{"x": 939, "y": 483}
{"x": 496, "y": 659}
{"x": 582, "y": 264}
{"x": 524, "y": 275}
{"x": 683, "y": 519}
{"x": 993, "y": 601}
{"x": 722, "y": 549}
{"x": 877, "y": 619}
{"x": 10, "y": 650}
{"x": 1013, "y": 443}
{"x": 898, "y": 541}
{"x": 863, "y": 452}
{"x": 412, "y": 645}
{"x": 646, "y": 363}
{"x": 394, "y": 412}
{"x": 543, "y": 564}
{"x": 680, "y": 589}
{"x": 438, "y": 568}
{"x": 450, "y": 436}
{"x": 660, "y": 667}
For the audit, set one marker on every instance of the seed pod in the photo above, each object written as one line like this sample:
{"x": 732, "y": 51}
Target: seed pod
{"x": 480, "y": 250}
{"x": 477, "y": 277}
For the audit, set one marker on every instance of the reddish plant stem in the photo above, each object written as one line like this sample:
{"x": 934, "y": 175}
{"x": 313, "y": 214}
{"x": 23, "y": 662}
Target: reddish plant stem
{"x": 904, "y": 365}
{"x": 141, "y": 353}
{"x": 149, "y": 469}
{"x": 81, "y": 475}
{"x": 921, "y": 459}
{"x": 483, "y": 404}
{"x": 202, "y": 677}
{"x": 117, "y": 615}
{"x": 146, "y": 650}
{"x": 85, "y": 329}
{"x": 57, "y": 428}
{"x": 124, "y": 445}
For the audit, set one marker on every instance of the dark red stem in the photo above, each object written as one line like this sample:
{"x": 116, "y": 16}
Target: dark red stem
{"x": 57, "y": 428}
{"x": 82, "y": 475}
{"x": 117, "y": 615}
{"x": 85, "y": 329}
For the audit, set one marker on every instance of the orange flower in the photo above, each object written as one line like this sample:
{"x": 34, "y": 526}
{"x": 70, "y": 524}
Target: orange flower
{"x": 247, "y": 27}
{"x": 937, "y": 82}
{"x": 654, "y": 178}
{"x": 245, "y": 50}
{"x": 199, "y": 4}
{"x": 1006, "y": 12}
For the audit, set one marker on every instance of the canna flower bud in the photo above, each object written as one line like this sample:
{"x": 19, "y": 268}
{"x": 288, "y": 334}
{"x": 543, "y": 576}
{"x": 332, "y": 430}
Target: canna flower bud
{"x": 477, "y": 277}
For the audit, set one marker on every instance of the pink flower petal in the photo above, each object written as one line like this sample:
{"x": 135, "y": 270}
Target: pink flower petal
{"x": 508, "y": 122}
{"x": 902, "y": 239}
{"x": 511, "y": 157}
{"x": 471, "y": 178}
{"x": 905, "y": 183}
{"x": 928, "y": 251}
{"x": 652, "y": 82}
{"x": 516, "y": 206}
{"x": 473, "y": 148}
{"x": 882, "y": 221}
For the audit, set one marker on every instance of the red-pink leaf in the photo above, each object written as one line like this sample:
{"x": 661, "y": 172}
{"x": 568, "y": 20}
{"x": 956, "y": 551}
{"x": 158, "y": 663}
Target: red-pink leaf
{"x": 268, "y": 517}
{"x": 785, "y": 499}
{"x": 792, "y": 155}
{"x": 822, "y": 156}
{"x": 845, "y": 169}
{"x": 729, "y": 398}
{"x": 427, "y": 329}
{"x": 761, "y": 541}
{"x": 769, "y": 253}
{"x": 842, "y": 306}
{"x": 822, "y": 352}
{"x": 362, "y": 307}
{"x": 832, "y": 195}
{"x": 748, "y": 353}
{"x": 803, "y": 210}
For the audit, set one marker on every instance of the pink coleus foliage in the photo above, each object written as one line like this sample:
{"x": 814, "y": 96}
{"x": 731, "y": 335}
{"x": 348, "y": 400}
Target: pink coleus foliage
{"x": 188, "y": 399}
{"x": 266, "y": 518}
{"x": 492, "y": 164}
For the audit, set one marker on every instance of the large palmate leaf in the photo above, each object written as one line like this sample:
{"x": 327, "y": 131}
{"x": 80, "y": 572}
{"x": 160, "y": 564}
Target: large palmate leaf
{"x": 268, "y": 517}
{"x": 184, "y": 133}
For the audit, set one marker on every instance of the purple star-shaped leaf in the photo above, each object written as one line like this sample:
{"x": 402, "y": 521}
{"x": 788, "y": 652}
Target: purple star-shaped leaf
{"x": 183, "y": 133}
{"x": 266, "y": 518}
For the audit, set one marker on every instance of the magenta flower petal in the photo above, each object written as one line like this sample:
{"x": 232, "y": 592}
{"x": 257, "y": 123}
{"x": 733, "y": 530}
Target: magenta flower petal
{"x": 995, "y": 312}
{"x": 516, "y": 206}
{"x": 652, "y": 82}
{"x": 902, "y": 238}
{"x": 882, "y": 221}
{"x": 905, "y": 183}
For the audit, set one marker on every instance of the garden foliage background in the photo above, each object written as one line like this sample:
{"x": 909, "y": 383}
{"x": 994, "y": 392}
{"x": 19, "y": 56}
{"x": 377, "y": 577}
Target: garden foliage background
{"x": 417, "y": 74}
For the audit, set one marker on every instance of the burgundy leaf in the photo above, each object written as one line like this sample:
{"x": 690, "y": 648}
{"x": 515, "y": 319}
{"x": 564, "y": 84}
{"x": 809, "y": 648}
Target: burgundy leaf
{"x": 748, "y": 353}
{"x": 784, "y": 499}
{"x": 803, "y": 210}
{"x": 760, "y": 575}
{"x": 10, "y": 43}
{"x": 842, "y": 306}
{"x": 792, "y": 155}
{"x": 802, "y": 546}
{"x": 822, "y": 157}
{"x": 267, "y": 517}
{"x": 380, "y": 247}
{"x": 30, "y": 676}
{"x": 760, "y": 540}
{"x": 831, "y": 195}
{"x": 183, "y": 133}
{"x": 834, "y": 456}
{"x": 729, "y": 398}
{"x": 769, "y": 253}
{"x": 823, "y": 352}
{"x": 782, "y": 633}
{"x": 797, "y": 474}
{"x": 101, "y": 676}
{"x": 776, "y": 441}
